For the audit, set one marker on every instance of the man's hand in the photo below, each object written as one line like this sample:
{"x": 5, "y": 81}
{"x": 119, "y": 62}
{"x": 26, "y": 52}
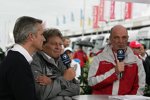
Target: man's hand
{"x": 119, "y": 67}
{"x": 69, "y": 74}
{"x": 44, "y": 80}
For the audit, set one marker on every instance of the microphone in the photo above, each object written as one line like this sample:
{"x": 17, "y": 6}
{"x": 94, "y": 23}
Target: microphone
{"x": 120, "y": 54}
{"x": 65, "y": 59}
{"x": 120, "y": 57}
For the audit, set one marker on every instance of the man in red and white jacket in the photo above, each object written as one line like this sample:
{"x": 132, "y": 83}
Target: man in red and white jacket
{"x": 109, "y": 76}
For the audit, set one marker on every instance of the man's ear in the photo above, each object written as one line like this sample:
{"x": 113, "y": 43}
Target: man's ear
{"x": 30, "y": 36}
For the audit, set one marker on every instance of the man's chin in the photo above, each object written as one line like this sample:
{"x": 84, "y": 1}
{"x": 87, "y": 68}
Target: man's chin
{"x": 57, "y": 56}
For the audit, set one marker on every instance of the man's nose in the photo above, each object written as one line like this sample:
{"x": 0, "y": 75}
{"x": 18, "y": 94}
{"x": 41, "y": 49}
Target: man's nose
{"x": 120, "y": 40}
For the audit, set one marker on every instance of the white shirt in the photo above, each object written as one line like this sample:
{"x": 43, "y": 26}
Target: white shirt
{"x": 47, "y": 56}
{"x": 143, "y": 57}
{"x": 50, "y": 58}
{"x": 23, "y": 51}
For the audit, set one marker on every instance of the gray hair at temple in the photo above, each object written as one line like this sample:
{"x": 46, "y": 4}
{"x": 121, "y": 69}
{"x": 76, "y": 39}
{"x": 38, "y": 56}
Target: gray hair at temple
{"x": 23, "y": 26}
{"x": 51, "y": 32}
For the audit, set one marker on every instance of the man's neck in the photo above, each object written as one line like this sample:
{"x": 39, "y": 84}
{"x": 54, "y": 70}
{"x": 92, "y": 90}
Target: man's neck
{"x": 29, "y": 48}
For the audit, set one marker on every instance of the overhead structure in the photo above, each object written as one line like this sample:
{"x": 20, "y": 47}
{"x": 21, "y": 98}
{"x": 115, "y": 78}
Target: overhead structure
{"x": 136, "y": 1}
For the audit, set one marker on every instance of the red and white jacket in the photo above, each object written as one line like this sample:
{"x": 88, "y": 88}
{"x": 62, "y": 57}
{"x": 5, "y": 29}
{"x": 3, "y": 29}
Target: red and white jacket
{"x": 104, "y": 80}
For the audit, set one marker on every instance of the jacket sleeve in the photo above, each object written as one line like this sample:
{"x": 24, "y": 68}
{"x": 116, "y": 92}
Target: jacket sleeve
{"x": 139, "y": 84}
{"x": 59, "y": 86}
{"x": 98, "y": 81}
{"x": 72, "y": 88}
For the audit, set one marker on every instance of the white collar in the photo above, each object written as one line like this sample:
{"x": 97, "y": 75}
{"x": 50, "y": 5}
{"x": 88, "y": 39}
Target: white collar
{"x": 143, "y": 57}
{"x": 23, "y": 51}
{"x": 52, "y": 59}
{"x": 47, "y": 56}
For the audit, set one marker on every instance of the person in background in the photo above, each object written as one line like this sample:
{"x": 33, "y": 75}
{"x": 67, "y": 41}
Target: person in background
{"x": 66, "y": 42}
{"x": 54, "y": 80}
{"x": 135, "y": 46}
{"x": 16, "y": 78}
{"x": 91, "y": 56}
{"x": 74, "y": 63}
{"x": 81, "y": 55}
{"x": 146, "y": 62}
{"x": 148, "y": 51}
{"x": 107, "y": 75}
{"x": 2, "y": 55}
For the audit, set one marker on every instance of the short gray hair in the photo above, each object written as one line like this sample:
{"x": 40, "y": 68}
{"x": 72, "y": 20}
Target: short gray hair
{"x": 23, "y": 26}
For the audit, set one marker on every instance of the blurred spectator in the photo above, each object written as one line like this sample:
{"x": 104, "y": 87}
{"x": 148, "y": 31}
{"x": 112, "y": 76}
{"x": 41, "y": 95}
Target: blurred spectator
{"x": 91, "y": 55}
{"x": 74, "y": 63}
{"x": 146, "y": 62}
{"x": 66, "y": 42}
{"x": 81, "y": 55}
{"x": 135, "y": 46}
{"x": 109, "y": 76}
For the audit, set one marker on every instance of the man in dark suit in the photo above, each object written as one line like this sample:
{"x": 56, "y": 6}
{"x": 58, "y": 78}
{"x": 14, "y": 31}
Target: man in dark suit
{"x": 16, "y": 78}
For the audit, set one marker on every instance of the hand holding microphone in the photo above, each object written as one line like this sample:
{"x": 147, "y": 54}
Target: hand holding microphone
{"x": 119, "y": 68}
{"x": 120, "y": 64}
{"x": 69, "y": 74}
{"x": 65, "y": 59}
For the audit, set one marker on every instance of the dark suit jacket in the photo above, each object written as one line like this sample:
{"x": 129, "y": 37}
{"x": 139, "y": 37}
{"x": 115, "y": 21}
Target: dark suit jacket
{"x": 16, "y": 79}
{"x": 146, "y": 64}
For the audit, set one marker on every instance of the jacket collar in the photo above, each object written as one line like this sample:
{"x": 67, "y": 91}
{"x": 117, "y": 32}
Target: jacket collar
{"x": 108, "y": 55}
{"x": 48, "y": 58}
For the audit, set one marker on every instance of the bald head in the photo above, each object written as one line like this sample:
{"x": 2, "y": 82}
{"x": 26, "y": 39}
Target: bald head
{"x": 119, "y": 29}
{"x": 119, "y": 37}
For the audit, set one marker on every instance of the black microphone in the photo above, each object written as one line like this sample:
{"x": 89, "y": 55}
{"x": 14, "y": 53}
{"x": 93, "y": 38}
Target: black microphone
{"x": 120, "y": 56}
{"x": 65, "y": 59}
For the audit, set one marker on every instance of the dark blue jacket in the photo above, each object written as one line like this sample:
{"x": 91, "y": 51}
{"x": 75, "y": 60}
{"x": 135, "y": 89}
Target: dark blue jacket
{"x": 146, "y": 64}
{"x": 16, "y": 79}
